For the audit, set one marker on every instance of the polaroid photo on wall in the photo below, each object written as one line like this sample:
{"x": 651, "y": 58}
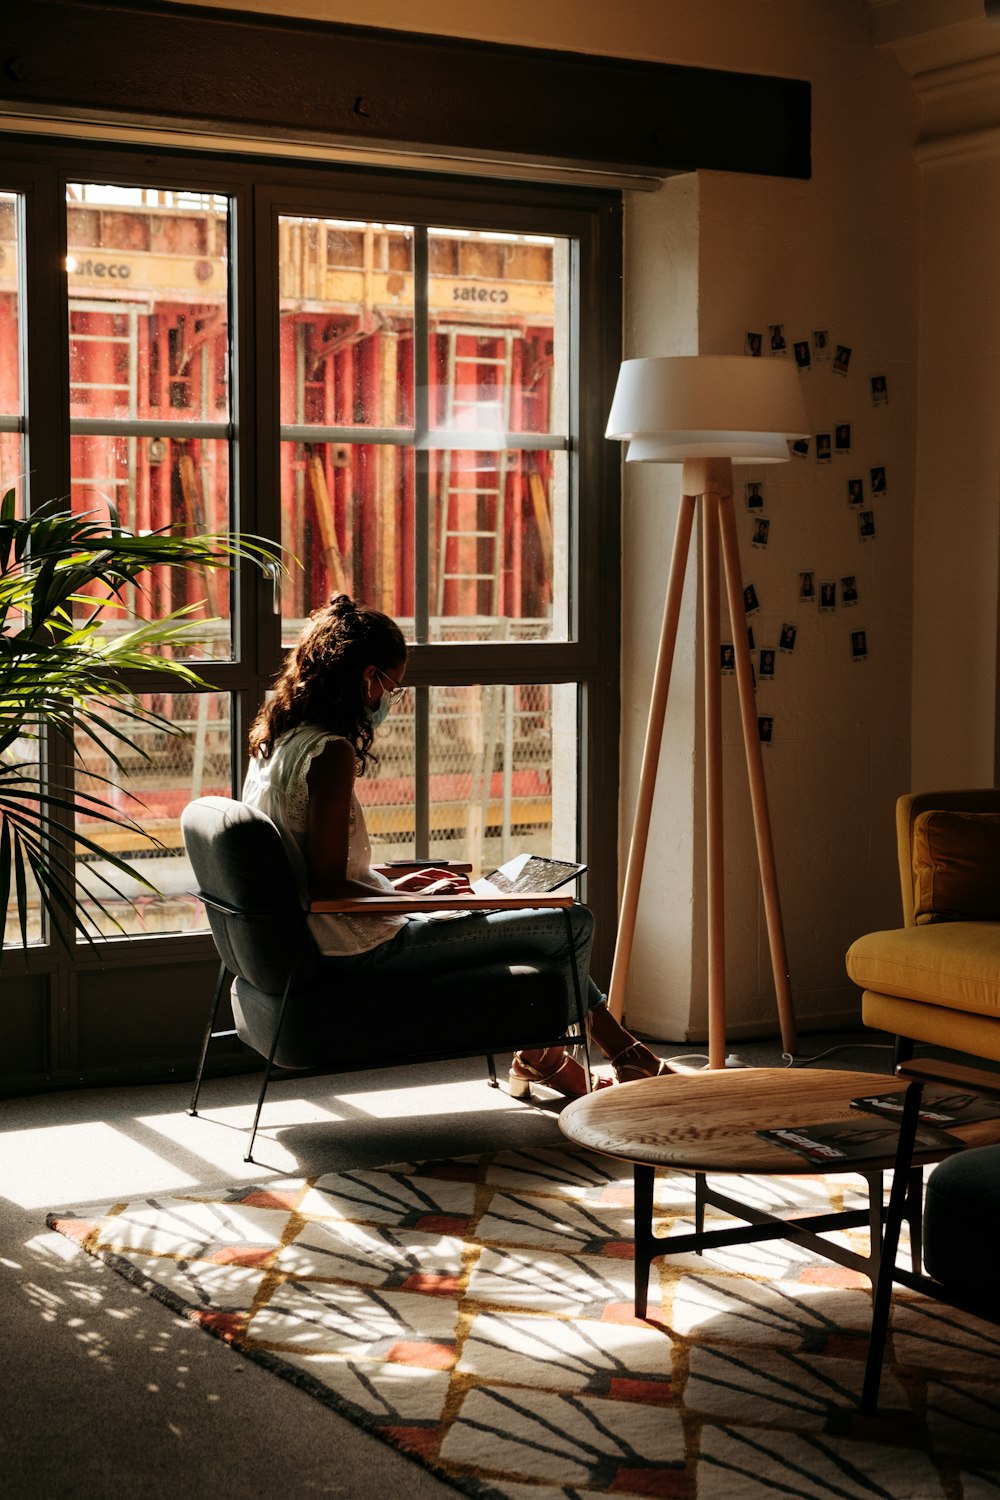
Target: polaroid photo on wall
{"x": 866, "y": 525}
{"x": 855, "y": 493}
{"x": 841, "y": 359}
{"x": 803, "y": 354}
{"x": 727, "y": 658}
{"x": 751, "y": 603}
{"x": 807, "y": 587}
{"x": 859, "y": 645}
{"x": 842, "y": 438}
{"x": 776, "y": 334}
{"x": 827, "y": 597}
{"x": 880, "y": 485}
{"x": 754, "y": 344}
{"x": 880, "y": 390}
{"x": 786, "y": 641}
{"x": 765, "y": 663}
{"x": 754, "y": 490}
{"x": 800, "y": 448}
{"x": 824, "y": 447}
{"x": 848, "y": 590}
{"x": 821, "y": 344}
{"x": 765, "y": 728}
{"x": 760, "y": 532}
{"x": 750, "y": 642}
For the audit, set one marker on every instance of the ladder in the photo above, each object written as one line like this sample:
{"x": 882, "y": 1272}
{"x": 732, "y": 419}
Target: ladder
{"x": 473, "y": 480}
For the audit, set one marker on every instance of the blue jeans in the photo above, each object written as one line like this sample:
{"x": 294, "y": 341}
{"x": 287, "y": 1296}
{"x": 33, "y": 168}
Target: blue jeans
{"x": 475, "y": 938}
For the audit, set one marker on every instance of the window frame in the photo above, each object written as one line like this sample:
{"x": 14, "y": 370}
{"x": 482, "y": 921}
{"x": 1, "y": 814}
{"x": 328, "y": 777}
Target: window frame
{"x": 260, "y": 189}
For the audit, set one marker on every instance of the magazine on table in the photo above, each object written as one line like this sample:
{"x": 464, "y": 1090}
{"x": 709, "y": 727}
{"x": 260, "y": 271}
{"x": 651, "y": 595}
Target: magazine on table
{"x": 852, "y": 1140}
{"x": 941, "y": 1107}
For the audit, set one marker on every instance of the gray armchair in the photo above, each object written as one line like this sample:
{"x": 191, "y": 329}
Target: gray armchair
{"x": 292, "y": 1008}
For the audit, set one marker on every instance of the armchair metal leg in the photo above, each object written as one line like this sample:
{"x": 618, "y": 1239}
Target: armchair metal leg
{"x": 491, "y": 1068}
{"x": 267, "y": 1072}
{"x": 274, "y": 1040}
{"x": 902, "y": 1050}
{"x": 581, "y": 1014}
{"x": 209, "y": 1029}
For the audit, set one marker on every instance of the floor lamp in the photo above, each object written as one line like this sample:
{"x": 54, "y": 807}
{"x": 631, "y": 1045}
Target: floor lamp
{"x": 708, "y": 412}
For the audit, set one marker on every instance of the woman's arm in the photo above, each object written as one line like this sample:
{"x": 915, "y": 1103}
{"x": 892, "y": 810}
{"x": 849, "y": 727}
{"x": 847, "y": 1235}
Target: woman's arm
{"x": 328, "y": 828}
{"x": 328, "y": 823}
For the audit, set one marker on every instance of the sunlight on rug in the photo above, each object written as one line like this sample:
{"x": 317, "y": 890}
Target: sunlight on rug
{"x": 477, "y": 1314}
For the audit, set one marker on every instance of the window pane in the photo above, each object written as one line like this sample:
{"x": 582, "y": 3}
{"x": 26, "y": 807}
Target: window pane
{"x": 498, "y": 357}
{"x": 170, "y": 365}
{"x": 161, "y": 775}
{"x": 498, "y": 544}
{"x": 501, "y": 776}
{"x": 498, "y": 331}
{"x": 476, "y": 501}
{"x": 496, "y": 536}
{"x": 23, "y": 752}
{"x": 33, "y": 912}
{"x": 149, "y": 358}
{"x": 183, "y": 484}
{"x": 11, "y": 452}
{"x": 24, "y": 755}
{"x": 346, "y": 333}
{"x": 347, "y": 514}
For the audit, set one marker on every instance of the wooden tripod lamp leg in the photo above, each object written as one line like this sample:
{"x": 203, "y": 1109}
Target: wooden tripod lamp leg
{"x": 651, "y": 756}
{"x": 755, "y": 771}
{"x": 714, "y": 841}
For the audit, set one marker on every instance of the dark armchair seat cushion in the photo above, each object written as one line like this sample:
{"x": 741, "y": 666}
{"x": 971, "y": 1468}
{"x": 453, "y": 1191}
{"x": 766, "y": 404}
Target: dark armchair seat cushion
{"x": 492, "y": 1008}
{"x": 962, "y": 1225}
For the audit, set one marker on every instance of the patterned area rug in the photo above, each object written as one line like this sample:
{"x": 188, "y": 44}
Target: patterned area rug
{"x": 477, "y": 1314}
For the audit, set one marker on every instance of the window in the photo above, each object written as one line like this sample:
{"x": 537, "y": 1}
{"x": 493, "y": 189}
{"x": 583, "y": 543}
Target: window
{"x": 397, "y": 378}
{"x": 424, "y": 375}
{"x": 149, "y": 332}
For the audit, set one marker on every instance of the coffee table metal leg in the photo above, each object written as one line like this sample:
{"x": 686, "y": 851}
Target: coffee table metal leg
{"x": 645, "y": 1245}
{"x": 699, "y": 1204}
{"x": 915, "y": 1217}
{"x": 876, "y": 1220}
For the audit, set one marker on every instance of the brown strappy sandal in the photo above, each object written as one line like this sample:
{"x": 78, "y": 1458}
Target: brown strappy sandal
{"x": 636, "y": 1061}
{"x": 556, "y": 1069}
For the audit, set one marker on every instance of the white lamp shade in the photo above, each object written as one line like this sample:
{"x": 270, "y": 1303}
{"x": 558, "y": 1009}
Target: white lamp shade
{"x": 741, "y": 447}
{"x": 707, "y": 406}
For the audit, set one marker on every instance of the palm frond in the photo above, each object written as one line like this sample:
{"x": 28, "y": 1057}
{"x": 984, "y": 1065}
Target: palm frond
{"x": 62, "y": 577}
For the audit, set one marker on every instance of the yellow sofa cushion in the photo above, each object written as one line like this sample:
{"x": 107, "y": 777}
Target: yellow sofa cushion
{"x": 951, "y": 964}
{"x": 956, "y": 867}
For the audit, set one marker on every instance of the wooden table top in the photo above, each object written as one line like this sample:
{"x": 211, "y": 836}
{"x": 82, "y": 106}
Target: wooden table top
{"x": 705, "y": 1122}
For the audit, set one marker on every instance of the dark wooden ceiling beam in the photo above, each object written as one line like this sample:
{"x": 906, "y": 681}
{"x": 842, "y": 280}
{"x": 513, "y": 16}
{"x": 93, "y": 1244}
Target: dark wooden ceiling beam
{"x": 356, "y": 86}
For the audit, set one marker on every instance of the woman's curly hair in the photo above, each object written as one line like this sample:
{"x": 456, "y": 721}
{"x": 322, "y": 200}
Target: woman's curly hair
{"x": 322, "y": 681}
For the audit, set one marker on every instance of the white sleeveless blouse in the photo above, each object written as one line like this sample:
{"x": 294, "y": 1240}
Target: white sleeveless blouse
{"x": 277, "y": 785}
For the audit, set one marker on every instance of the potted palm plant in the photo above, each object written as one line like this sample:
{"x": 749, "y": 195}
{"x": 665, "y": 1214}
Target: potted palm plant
{"x": 63, "y": 579}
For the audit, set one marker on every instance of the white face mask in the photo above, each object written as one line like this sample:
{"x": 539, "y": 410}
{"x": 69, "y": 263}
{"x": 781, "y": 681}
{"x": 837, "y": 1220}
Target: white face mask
{"x": 377, "y": 715}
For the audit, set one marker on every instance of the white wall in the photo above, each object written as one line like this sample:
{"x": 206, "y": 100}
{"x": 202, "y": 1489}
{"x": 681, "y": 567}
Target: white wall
{"x": 838, "y": 252}
{"x": 952, "y": 56}
{"x": 958, "y": 537}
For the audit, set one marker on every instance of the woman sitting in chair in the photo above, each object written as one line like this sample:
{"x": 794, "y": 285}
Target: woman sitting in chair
{"x": 308, "y": 743}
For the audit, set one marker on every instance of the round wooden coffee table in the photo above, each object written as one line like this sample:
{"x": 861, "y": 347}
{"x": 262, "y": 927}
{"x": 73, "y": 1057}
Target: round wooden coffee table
{"x": 707, "y": 1122}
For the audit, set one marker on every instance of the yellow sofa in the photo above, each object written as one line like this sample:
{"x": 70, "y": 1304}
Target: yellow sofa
{"x": 937, "y": 978}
